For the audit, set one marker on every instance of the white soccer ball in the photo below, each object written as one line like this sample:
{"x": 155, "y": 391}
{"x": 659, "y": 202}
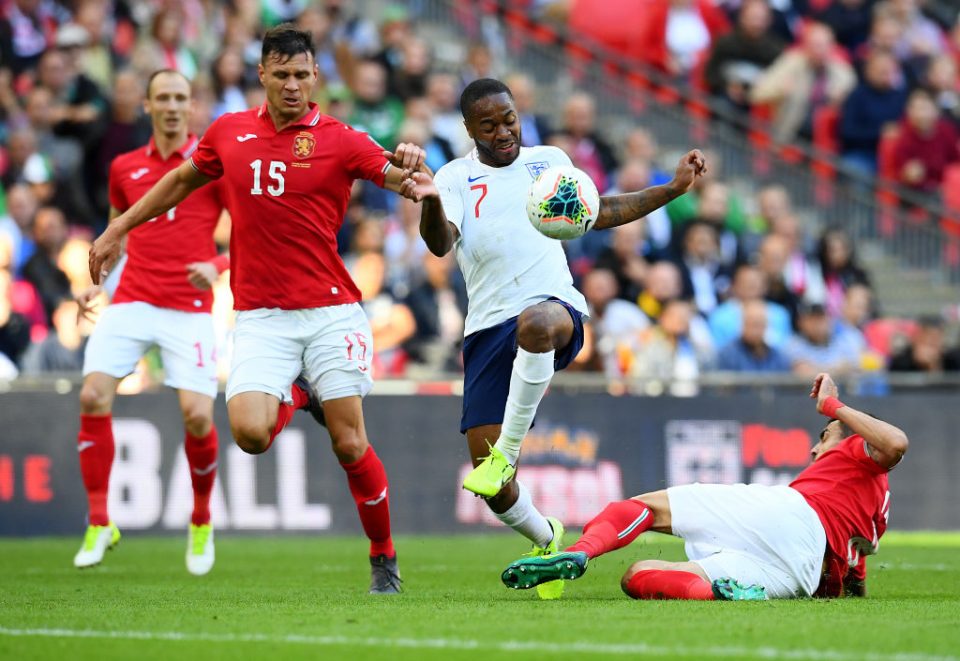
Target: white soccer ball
{"x": 563, "y": 202}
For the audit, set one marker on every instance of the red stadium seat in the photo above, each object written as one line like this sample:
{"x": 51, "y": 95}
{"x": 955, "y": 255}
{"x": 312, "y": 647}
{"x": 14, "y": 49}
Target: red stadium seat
{"x": 759, "y": 137}
{"x": 887, "y": 199}
{"x": 950, "y": 223}
{"x": 885, "y": 336}
{"x": 826, "y": 120}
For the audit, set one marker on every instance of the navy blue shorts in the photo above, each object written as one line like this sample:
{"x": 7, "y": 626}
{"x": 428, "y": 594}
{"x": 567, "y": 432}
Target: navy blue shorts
{"x": 488, "y": 363}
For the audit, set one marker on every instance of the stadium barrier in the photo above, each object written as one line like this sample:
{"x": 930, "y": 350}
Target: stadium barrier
{"x": 586, "y": 449}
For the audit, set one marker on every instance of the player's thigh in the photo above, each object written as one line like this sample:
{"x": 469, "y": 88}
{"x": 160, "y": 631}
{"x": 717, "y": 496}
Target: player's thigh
{"x": 188, "y": 349}
{"x": 122, "y": 335}
{"x": 268, "y": 346}
{"x": 197, "y": 411}
{"x": 749, "y": 569}
{"x": 253, "y": 415}
{"x": 97, "y": 393}
{"x": 338, "y": 355}
{"x": 344, "y": 418}
{"x": 659, "y": 504}
{"x": 712, "y": 517}
{"x": 488, "y": 358}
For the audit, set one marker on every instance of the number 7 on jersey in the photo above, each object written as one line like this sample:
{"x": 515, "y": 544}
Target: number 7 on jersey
{"x": 483, "y": 193}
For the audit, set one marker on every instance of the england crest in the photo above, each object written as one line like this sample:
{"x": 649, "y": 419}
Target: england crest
{"x": 536, "y": 168}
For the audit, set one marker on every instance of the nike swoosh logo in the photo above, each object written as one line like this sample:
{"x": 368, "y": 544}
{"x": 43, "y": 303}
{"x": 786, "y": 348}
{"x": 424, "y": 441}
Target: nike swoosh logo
{"x": 248, "y": 136}
{"x": 473, "y": 179}
{"x": 377, "y": 501}
{"x": 205, "y": 471}
{"x": 83, "y": 445}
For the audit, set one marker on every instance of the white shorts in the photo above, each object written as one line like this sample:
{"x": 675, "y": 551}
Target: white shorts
{"x": 125, "y": 331}
{"x": 332, "y": 346}
{"x": 756, "y": 534}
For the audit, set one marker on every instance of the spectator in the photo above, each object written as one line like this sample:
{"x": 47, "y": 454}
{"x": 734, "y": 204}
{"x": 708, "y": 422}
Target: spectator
{"x": 640, "y": 144}
{"x": 395, "y": 31}
{"x": 921, "y": 37}
{"x": 534, "y": 128}
{"x": 477, "y": 64}
{"x": 624, "y": 258}
{"x": 62, "y": 350}
{"x": 18, "y": 224}
{"x": 439, "y": 150}
{"x": 944, "y": 86}
{"x": 885, "y": 33}
{"x": 49, "y": 233}
{"x": 635, "y": 175}
{"x": 724, "y": 206}
{"x": 850, "y": 21}
{"x": 738, "y": 58}
{"x": 26, "y": 29}
{"x": 926, "y": 352}
{"x": 816, "y": 348}
{"x": 616, "y": 323}
{"x": 359, "y": 34}
{"x": 857, "y": 311}
{"x": 726, "y": 321}
{"x": 801, "y": 274}
{"x": 751, "y": 352}
{"x": 666, "y": 352}
{"x": 14, "y": 327}
{"x": 772, "y": 258}
{"x": 706, "y": 277}
{"x": 717, "y": 206}
{"x": 839, "y": 268}
{"x": 26, "y": 165}
{"x": 409, "y": 79}
{"x": 802, "y": 80}
{"x": 874, "y": 104}
{"x": 589, "y": 151}
{"x": 439, "y": 308}
{"x": 674, "y": 34}
{"x": 374, "y": 111}
{"x": 228, "y": 82}
{"x": 164, "y": 49}
{"x": 443, "y": 96}
{"x": 925, "y": 146}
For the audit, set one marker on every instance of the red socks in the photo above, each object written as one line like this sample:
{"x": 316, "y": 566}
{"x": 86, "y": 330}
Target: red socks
{"x": 668, "y": 584}
{"x": 95, "y": 446}
{"x": 368, "y": 486}
{"x": 202, "y": 456}
{"x": 286, "y": 411}
{"x": 616, "y": 526}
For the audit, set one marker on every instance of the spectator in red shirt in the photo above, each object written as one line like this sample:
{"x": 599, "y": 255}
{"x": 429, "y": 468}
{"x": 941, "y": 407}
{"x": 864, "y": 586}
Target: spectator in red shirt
{"x": 926, "y": 144}
{"x": 674, "y": 33}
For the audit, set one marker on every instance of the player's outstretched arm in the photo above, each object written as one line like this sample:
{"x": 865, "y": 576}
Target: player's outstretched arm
{"x": 167, "y": 193}
{"x": 437, "y": 232}
{"x": 406, "y": 159}
{"x": 621, "y": 209}
{"x": 886, "y": 442}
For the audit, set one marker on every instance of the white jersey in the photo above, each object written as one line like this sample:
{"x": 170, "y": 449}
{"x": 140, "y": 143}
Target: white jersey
{"x": 507, "y": 264}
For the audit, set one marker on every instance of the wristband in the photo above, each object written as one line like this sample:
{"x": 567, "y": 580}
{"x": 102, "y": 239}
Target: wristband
{"x": 830, "y": 406}
{"x": 221, "y": 262}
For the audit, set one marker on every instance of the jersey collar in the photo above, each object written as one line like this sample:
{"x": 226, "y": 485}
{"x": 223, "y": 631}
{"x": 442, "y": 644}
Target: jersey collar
{"x": 184, "y": 152}
{"x": 312, "y": 118}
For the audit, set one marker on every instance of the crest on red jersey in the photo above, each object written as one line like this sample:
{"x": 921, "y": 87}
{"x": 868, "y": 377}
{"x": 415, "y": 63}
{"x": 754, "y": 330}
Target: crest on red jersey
{"x": 303, "y": 145}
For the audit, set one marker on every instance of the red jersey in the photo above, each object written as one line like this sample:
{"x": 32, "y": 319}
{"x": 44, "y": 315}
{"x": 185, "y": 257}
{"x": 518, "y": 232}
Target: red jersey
{"x": 849, "y": 492}
{"x": 287, "y": 192}
{"x": 159, "y": 250}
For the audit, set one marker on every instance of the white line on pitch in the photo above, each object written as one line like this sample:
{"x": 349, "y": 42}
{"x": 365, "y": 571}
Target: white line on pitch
{"x": 503, "y": 646}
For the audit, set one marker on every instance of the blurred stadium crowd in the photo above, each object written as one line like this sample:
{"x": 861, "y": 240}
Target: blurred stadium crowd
{"x": 715, "y": 281}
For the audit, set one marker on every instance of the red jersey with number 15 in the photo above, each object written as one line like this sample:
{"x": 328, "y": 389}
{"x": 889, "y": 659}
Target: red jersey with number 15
{"x": 159, "y": 250}
{"x": 287, "y": 193}
{"x": 850, "y": 493}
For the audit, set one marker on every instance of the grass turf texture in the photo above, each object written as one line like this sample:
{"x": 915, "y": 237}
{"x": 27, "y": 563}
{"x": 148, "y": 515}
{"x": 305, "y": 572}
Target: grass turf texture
{"x": 304, "y": 597}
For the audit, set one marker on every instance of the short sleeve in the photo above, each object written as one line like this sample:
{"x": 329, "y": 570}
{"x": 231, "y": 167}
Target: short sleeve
{"x": 205, "y": 158}
{"x": 118, "y": 200}
{"x": 363, "y": 156}
{"x": 559, "y": 157}
{"x": 451, "y": 195}
{"x": 861, "y": 454}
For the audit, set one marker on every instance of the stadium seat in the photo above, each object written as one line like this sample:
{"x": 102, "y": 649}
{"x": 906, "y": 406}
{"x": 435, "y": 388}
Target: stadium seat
{"x": 885, "y": 336}
{"x": 759, "y": 137}
{"x": 826, "y": 120}
{"x": 887, "y": 178}
{"x": 950, "y": 223}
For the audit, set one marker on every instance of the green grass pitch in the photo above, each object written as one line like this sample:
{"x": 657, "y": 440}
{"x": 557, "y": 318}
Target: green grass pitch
{"x": 304, "y": 597}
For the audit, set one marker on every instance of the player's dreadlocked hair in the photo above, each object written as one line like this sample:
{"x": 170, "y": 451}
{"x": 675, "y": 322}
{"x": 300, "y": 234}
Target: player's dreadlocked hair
{"x": 480, "y": 89}
{"x": 285, "y": 41}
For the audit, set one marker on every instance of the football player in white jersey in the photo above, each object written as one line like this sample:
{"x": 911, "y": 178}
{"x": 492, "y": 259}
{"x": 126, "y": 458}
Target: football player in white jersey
{"x": 524, "y": 318}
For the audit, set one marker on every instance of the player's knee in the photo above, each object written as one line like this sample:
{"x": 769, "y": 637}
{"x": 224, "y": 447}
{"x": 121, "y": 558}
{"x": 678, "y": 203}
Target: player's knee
{"x": 628, "y": 576}
{"x": 252, "y": 440}
{"x": 534, "y": 332}
{"x": 94, "y": 400}
{"x": 349, "y": 446}
{"x": 197, "y": 421}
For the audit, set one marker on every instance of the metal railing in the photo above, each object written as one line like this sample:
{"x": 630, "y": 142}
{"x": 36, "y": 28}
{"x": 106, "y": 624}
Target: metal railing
{"x": 908, "y": 226}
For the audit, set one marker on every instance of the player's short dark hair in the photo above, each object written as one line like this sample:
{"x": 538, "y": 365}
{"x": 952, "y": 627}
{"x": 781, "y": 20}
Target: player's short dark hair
{"x": 160, "y": 72}
{"x": 480, "y": 89}
{"x": 286, "y": 41}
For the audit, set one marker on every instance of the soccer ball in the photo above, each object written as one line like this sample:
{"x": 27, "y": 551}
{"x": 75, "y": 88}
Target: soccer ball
{"x": 563, "y": 203}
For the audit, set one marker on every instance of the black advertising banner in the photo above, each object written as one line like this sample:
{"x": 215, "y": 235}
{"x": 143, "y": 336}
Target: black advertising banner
{"x": 584, "y": 451}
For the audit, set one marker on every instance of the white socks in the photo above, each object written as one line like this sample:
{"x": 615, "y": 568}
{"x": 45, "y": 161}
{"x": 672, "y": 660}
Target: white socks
{"x": 527, "y": 520}
{"x": 531, "y": 376}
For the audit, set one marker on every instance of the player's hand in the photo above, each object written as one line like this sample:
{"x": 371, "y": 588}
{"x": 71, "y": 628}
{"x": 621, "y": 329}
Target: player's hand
{"x": 87, "y": 303}
{"x": 104, "y": 253}
{"x": 419, "y": 186}
{"x": 202, "y": 275}
{"x": 692, "y": 165}
{"x": 823, "y": 388}
{"x": 408, "y": 157}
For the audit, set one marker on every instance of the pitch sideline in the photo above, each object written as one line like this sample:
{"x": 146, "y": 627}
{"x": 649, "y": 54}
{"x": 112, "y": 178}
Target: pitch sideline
{"x": 458, "y": 644}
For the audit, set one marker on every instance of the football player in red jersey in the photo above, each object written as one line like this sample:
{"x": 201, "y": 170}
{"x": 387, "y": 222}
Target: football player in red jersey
{"x": 746, "y": 542}
{"x": 163, "y": 298}
{"x": 287, "y": 171}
